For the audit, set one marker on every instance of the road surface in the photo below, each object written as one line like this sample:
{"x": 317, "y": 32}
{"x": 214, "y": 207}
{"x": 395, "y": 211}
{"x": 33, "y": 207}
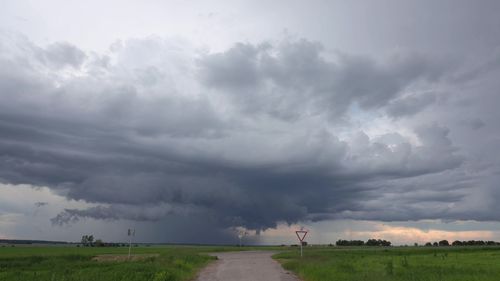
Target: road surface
{"x": 245, "y": 266}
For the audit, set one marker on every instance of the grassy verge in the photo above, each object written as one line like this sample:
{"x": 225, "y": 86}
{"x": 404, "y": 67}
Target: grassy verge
{"x": 401, "y": 264}
{"x": 72, "y": 263}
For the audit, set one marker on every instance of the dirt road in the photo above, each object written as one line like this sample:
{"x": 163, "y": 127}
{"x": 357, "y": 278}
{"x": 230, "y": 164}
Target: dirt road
{"x": 245, "y": 266}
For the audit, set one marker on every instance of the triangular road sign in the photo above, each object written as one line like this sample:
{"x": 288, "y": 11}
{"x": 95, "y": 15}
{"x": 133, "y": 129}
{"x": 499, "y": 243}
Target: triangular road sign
{"x": 301, "y": 234}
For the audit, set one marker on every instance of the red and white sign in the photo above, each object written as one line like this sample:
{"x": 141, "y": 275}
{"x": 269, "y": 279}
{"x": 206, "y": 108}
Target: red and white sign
{"x": 301, "y": 234}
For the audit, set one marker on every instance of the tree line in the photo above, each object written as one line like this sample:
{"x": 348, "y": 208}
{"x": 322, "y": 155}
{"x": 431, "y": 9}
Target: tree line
{"x": 444, "y": 243}
{"x": 88, "y": 241}
{"x": 369, "y": 242}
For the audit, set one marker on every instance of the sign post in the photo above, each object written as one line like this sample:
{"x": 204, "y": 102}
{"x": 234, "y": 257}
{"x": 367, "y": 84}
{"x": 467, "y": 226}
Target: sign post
{"x": 241, "y": 234}
{"x": 301, "y": 234}
{"x": 130, "y": 233}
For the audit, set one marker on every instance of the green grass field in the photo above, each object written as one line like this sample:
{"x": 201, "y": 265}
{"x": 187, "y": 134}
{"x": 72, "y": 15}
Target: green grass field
{"x": 319, "y": 263}
{"x": 72, "y": 263}
{"x": 398, "y": 263}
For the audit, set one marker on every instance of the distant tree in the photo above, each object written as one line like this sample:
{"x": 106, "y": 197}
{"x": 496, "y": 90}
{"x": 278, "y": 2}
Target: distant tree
{"x": 357, "y": 243}
{"x": 443, "y": 243}
{"x": 474, "y": 243}
{"x": 87, "y": 240}
{"x": 457, "y": 243}
{"x": 99, "y": 243}
{"x": 428, "y": 244}
{"x": 370, "y": 242}
{"x": 435, "y": 244}
{"x": 378, "y": 242}
{"x": 385, "y": 243}
{"x": 341, "y": 242}
{"x": 415, "y": 244}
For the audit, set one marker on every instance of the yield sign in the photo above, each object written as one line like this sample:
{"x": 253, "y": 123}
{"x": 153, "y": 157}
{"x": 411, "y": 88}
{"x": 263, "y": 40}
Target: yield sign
{"x": 301, "y": 234}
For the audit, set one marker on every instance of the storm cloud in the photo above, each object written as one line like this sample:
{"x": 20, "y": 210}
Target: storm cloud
{"x": 280, "y": 130}
{"x": 294, "y": 78}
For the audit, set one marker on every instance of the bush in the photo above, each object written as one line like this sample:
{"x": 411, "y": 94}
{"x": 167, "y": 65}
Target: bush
{"x": 444, "y": 243}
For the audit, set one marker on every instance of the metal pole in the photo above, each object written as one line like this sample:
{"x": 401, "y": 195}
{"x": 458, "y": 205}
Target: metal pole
{"x": 300, "y": 248}
{"x": 129, "y": 246}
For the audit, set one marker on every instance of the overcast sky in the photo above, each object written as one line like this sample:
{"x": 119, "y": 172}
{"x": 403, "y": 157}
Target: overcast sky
{"x": 189, "y": 120}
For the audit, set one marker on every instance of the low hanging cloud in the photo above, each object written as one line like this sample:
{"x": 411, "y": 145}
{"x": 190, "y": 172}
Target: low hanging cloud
{"x": 114, "y": 212}
{"x": 247, "y": 136}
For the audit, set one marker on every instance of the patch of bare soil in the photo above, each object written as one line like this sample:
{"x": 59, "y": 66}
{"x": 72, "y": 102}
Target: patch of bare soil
{"x": 117, "y": 258}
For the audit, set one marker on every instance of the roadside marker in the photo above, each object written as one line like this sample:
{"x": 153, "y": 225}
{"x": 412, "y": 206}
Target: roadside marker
{"x": 130, "y": 233}
{"x": 301, "y": 234}
{"x": 241, "y": 234}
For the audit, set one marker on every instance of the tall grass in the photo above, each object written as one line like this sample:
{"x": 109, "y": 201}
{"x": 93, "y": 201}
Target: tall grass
{"x": 70, "y": 263}
{"x": 401, "y": 264}
{"x": 76, "y": 264}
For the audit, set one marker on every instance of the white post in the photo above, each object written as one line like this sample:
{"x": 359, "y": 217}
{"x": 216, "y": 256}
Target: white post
{"x": 241, "y": 234}
{"x": 131, "y": 233}
{"x": 129, "y": 246}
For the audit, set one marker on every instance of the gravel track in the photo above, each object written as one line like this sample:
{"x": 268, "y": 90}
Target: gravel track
{"x": 245, "y": 266}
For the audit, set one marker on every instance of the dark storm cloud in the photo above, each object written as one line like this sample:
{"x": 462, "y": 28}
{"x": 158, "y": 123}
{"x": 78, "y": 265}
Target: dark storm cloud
{"x": 114, "y": 212}
{"x": 295, "y": 78}
{"x": 481, "y": 68}
{"x": 137, "y": 135}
